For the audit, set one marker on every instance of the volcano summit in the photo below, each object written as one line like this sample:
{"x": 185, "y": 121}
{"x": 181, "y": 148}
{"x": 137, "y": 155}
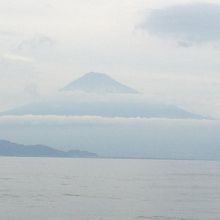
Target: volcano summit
{"x": 98, "y": 83}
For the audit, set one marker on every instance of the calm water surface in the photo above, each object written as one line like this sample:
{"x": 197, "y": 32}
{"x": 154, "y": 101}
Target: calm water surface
{"x": 98, "y": 189}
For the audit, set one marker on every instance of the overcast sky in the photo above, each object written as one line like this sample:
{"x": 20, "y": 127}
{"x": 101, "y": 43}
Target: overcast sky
{"x": 169, "y": 50}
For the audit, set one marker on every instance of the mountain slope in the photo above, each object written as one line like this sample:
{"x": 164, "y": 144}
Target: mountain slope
{"x": 97, "y": 83}
{"x": 104, "y": 109}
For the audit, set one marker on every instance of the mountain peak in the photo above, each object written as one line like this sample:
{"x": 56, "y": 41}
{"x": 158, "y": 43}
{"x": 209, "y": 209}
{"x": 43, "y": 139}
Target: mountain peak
{"x": 95, "y": 74}
{"x": 94, "y": 82}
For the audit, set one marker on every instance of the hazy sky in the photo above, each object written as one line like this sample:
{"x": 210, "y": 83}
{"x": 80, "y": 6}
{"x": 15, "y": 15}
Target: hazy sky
{"x": 169, "y": 49}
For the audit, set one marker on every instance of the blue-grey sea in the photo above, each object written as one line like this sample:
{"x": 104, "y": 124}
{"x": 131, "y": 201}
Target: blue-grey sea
{"x": 108, "y": 189}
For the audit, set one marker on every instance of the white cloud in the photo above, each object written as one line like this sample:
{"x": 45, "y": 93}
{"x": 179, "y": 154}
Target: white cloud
{"x": 17, "y": 58}
{"x": 36, "y": 43}
{"x": 96, "y": 120}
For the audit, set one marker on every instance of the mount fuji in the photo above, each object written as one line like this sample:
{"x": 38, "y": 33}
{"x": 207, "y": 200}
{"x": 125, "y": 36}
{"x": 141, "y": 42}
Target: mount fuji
{"x": 100, "y": 95}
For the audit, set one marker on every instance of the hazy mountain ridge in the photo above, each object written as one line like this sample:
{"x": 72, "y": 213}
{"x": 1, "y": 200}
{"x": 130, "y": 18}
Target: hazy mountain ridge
{"x": 8, "y": 148}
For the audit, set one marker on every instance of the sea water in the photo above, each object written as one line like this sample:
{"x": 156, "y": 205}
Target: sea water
{"x": 108, "y": 189}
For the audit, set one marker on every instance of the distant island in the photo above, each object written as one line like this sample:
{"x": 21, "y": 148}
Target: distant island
{"x": 10, "y": 149}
